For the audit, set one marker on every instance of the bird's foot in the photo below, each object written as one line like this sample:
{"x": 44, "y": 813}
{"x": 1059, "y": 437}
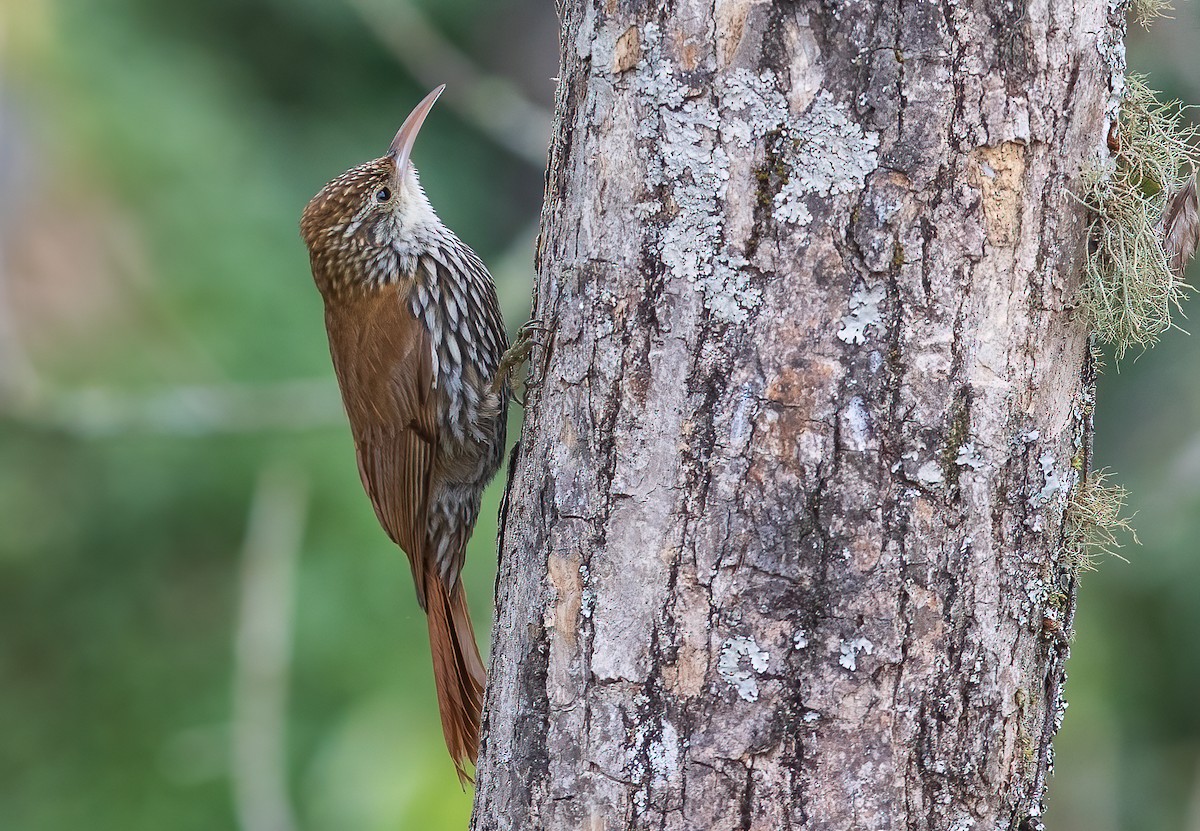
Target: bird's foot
{"x": 518, "y": 354}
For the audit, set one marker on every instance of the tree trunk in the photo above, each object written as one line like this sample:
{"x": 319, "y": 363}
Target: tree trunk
{"x": 782, "y": 546}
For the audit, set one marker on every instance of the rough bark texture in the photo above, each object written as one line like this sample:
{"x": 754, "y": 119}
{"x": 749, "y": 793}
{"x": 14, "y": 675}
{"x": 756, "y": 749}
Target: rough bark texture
{"x": 782, "y": 545}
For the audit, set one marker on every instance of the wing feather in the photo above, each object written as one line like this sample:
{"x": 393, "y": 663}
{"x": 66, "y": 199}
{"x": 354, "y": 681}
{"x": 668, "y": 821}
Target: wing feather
{"x": 384, "y": 363}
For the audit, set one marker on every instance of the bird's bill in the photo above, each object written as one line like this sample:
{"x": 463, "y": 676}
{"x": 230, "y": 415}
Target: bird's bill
{"x": 406, "y": 137}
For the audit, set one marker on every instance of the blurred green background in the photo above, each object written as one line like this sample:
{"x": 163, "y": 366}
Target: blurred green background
{"x": 166, "y": 378}
{"x": 190, "y": 576}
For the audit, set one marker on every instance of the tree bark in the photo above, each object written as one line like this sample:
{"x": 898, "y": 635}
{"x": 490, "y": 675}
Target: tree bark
{"x": 781, "y": 546}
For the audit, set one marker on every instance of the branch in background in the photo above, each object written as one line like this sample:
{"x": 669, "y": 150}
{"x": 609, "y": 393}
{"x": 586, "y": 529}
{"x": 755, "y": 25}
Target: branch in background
{"x": 187, "y": 410}
{"x": 203, "y": 410}
{"x": 492, "y": 103}
{"x": 262, "y": 652}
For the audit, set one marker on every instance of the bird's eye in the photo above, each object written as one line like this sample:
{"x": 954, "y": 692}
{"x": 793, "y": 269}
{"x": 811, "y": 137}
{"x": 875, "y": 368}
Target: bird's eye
{"x": 383, "y": 195}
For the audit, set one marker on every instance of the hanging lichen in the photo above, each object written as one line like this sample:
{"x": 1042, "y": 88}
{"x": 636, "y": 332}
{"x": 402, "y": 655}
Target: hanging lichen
{"x": 1145, "y": 12}
{"x": 1095, "y": 522}
{"x": 1131, "y": 289}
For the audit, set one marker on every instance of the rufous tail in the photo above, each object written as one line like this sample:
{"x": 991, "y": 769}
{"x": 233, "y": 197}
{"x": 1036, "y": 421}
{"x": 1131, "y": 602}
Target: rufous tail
{"x": 457, "y": 671}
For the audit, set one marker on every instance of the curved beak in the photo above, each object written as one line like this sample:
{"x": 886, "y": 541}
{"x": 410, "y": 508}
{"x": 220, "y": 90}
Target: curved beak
{"x": 406, "y": 137}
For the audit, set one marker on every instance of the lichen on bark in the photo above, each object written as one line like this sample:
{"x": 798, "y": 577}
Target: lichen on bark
{"x": 779, "y": 547}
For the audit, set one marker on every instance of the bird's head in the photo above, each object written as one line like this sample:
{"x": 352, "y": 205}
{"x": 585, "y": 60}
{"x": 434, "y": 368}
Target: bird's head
{"x": 362, "y": 225}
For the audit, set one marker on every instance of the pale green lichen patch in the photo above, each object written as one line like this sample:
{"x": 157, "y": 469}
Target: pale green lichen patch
{"x": 740, "y": 661}
{"x": 864, "y": 313}
{"x": 821, "y": 152}
{"x": 831, "y": 155}
{"x": 693, "y": 138}
{"x": 1129, "y": 289}
{"x": 851, "y": 649}
{"x": 1095, "y": 523}
{"x": 691, "y": 171}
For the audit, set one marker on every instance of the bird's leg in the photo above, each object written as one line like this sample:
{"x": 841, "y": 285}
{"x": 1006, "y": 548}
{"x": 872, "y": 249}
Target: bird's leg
{"x": 517, "y": 354}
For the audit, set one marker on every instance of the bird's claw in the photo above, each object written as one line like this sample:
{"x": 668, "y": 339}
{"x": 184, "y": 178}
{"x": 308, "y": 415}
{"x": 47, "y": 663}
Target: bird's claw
{"x": 518, "y": 354}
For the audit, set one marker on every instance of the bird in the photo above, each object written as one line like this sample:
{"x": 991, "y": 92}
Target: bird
{"x": 423, "y": 361}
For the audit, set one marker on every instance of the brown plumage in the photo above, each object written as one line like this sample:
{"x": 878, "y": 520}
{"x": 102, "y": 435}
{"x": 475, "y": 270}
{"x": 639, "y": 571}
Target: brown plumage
{"x": 417, "y": 342}
{"x": 1180, "y": 226}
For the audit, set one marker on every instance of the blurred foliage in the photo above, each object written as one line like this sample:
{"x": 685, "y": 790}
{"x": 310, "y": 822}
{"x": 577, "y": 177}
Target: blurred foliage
{"x": 154, "y": 158}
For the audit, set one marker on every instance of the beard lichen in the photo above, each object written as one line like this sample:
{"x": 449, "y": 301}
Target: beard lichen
{"x": 1130, "y": 291}
{"x": 1145, "y": 12}
{"x": 1094, "y": 523}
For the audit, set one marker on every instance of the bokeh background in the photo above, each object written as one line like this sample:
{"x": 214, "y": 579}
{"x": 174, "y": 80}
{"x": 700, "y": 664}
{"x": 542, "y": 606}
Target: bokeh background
{"x": 201, "y": 625}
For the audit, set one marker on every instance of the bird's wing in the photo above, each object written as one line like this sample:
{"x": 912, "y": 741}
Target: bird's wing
{"x": 384, "y": 364}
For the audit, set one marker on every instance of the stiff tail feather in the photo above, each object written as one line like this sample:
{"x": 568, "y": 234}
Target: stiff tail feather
{"x": 457, "y": 671}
